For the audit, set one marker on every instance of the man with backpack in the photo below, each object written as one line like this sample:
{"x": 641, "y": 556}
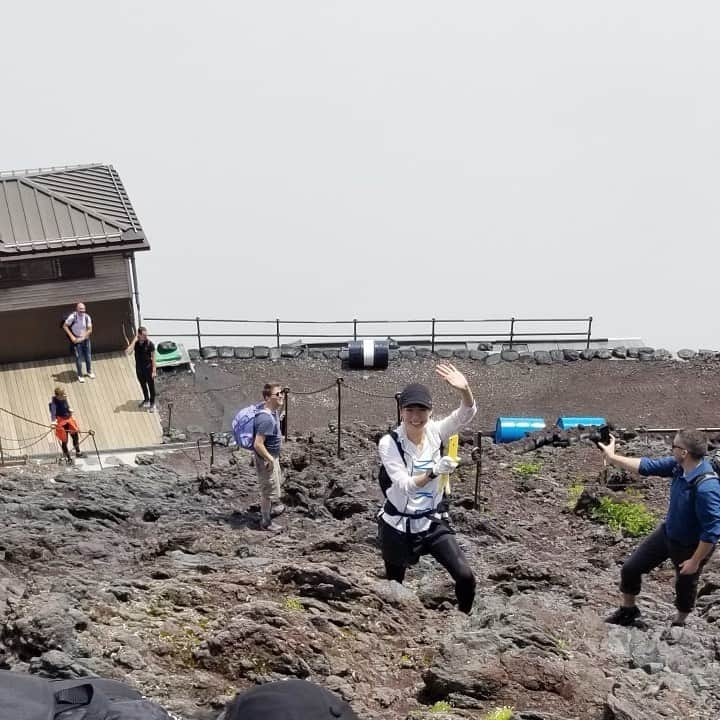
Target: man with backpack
{"x": 267, "y": 440}
{"x": 412, "y": 520}
{"x": 78, "y": 327}
{"x": 691, "y": 528}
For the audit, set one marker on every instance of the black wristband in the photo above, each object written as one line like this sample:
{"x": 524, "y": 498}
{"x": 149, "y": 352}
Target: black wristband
{"x": 432, "y": 475}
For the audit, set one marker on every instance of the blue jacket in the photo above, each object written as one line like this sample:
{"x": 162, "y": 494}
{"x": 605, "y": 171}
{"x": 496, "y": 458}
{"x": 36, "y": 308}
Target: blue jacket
{"x": 687, "y": 524}
{"x": 59, "y": 408}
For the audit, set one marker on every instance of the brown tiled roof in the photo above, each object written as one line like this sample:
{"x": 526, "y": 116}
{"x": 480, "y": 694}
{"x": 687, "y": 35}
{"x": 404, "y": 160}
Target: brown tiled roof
{"x": 66, "y": 209}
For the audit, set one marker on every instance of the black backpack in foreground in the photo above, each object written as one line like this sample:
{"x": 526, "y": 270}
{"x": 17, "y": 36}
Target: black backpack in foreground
{"x": 29, "y": 697}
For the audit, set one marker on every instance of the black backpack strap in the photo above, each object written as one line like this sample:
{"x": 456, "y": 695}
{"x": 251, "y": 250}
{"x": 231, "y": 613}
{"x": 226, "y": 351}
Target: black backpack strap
{"x": 700, "y": 479}
{"x": 390, "y": 509}
{"x": 398, "y": 444}
{"x": 696, "y": 483}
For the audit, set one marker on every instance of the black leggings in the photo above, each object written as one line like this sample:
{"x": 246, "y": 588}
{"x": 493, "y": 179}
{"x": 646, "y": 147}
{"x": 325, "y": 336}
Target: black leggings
{"x": 147, "y": 384}
{"x": 400, "y": 550}
{"x": 652, "y": 552}
{"x": 76, "y": 444}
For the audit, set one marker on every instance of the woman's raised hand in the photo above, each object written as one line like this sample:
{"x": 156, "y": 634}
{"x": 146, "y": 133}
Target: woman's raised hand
{"x": 452, "y": 376}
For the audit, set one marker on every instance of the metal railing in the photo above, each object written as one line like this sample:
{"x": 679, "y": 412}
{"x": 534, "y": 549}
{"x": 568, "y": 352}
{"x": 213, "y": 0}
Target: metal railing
{"x": 511, "y": 331}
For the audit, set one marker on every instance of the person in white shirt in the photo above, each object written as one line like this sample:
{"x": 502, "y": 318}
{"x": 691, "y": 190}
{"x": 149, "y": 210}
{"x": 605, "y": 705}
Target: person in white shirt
{"x": 78, "y": 327}
{"x": 411, "y": 521}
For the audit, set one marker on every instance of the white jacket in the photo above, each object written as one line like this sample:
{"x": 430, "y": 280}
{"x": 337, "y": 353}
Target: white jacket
{"x": 403, "y": 493}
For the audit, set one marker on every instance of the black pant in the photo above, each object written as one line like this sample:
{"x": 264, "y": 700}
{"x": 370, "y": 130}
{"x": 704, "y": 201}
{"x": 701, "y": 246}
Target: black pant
{"x": 147, "y": 383}
{"x": 400, "y": 550}
{"x": 652, "y": 552}
{"x": 76, "y": 445}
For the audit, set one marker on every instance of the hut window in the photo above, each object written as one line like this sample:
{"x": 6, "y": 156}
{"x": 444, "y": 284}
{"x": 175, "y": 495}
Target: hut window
{"x": 33, "y": 272}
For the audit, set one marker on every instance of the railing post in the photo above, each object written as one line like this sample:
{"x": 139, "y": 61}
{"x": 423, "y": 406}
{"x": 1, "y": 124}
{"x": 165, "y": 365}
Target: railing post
{"x": 512, "y": 331}
{"x": 97, "y": 452}
{"x": 478, "y": 471}
{"x": 397, "y": 403}
{"x": 199, "y": 336}
{"x": 354, "y": 329}
{"x": 2, "y": 455}
{"x": 286, "y": 393}
{"x": 432, "y": 337}
{"x": 277, "y": 332}
{"x": 339, "y": 416}
{"x": 587, "y": 346}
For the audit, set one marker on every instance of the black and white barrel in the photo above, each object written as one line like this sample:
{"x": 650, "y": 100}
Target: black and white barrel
{"x": 368, "y": 354}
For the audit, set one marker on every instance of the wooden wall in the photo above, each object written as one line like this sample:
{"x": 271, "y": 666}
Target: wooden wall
{"x": 35, "y": 334}
{"x": 111, "y": 281}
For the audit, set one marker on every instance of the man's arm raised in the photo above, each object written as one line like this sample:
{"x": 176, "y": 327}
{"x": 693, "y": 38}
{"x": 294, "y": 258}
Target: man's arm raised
{"x": 626, "y": 463}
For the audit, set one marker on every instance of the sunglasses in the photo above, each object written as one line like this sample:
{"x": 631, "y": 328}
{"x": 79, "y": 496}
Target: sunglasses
{"x": 678, "y": 447}
{"x": 277, "y": 394}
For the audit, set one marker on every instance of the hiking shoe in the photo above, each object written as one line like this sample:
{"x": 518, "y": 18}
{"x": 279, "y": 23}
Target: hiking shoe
{"x": 678, "y": 620}
{"x": 270, "y": 527}
{"x": 81, "y": 378}
{"x": 276, "y": 510}
{"x": 79, "y": 454}
{"x": 151, "y": 407}
{"x": 625, "y": 616}
{"x": 91, "y": 376}
{"x": 144, "y": 404}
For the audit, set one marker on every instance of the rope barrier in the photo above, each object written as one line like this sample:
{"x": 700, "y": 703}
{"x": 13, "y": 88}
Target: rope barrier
{"x": 313, "y": 392}
{"x": 37, "y": 439}
{"x": 18, "y": 440}
{"x": 20, "y": 417}
{"x": 29, "y": 445}
{"x": 298, "y": 392}
{"x": 368, "y": 393}
{"x": 87, "y": 434}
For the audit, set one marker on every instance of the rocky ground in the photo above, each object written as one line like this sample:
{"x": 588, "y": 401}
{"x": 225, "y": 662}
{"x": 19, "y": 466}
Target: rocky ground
{"x": 159, "y": 574}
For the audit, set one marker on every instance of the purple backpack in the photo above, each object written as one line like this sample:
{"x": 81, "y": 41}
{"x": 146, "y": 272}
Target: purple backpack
{"x": 243, "y": 425}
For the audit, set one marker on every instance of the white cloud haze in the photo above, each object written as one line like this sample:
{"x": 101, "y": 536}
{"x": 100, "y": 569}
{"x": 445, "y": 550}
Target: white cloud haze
{"x": 393, "y": 159}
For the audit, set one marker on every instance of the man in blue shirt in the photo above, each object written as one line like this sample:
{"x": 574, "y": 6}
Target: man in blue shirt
{"x": 691, "y": 528}
{"x": 267, "y": 443}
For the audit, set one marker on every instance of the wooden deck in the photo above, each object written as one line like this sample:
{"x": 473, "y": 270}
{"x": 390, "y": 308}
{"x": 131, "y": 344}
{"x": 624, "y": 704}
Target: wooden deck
{"x": 108, "y": 405}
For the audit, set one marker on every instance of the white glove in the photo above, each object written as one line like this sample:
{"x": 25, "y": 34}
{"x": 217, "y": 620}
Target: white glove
{"x": 445, "y": 465}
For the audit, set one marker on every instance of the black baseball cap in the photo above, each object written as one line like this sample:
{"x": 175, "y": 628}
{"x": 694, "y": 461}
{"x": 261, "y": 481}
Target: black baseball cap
{"x": 416, "y": 394}
{"x": 289, "y": 700}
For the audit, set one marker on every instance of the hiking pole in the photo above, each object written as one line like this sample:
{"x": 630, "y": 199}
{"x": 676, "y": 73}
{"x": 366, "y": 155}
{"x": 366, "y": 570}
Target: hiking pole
{"x": 339, "y": 416}
{"x": 212, "y": 449}
{"x": 97, "y": 452}
{"x": 478, "y": 468}
{"x": 397, "y": 403}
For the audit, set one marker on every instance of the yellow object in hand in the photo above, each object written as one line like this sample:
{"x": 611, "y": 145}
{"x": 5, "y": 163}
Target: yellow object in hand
{"x": 452, "y": 451}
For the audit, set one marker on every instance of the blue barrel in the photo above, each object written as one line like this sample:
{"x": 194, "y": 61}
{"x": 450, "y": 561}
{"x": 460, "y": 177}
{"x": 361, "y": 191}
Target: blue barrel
{"x": 508, "y": 429}
{"x": 567, "y": 423}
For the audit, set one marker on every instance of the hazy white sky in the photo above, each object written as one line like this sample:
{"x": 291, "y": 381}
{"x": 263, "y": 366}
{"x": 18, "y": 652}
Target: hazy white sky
{"x": 393, "y": 158}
